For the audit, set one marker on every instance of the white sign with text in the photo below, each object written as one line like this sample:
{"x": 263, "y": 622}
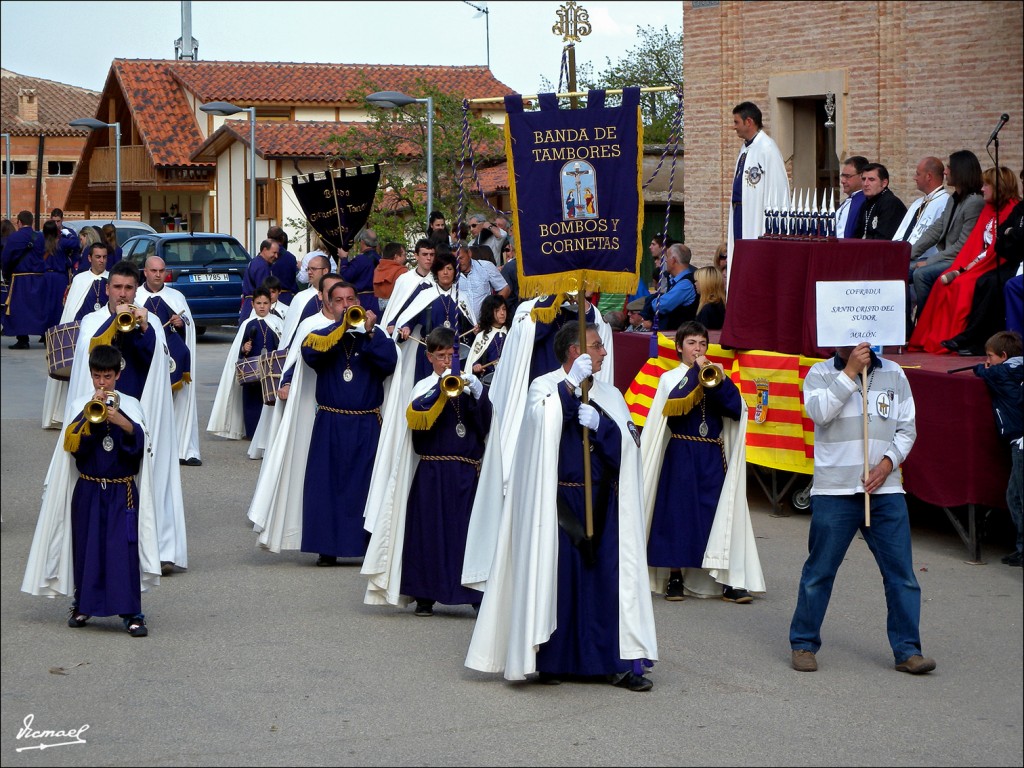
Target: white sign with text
{"x": 871, "y": 311}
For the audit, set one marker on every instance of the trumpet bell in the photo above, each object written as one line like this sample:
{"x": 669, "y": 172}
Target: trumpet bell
{"x": 354, "y": 316}
{"x": 710, "y": 376}
{"x": 452, "y": 385}
{"x": 125, "y": 322}
{"x": 96, "y": 411}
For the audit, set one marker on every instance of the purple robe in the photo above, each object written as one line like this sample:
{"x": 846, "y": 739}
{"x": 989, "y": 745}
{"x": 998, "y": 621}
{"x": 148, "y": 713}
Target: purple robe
{"x": 104, "y": 527}
{"x": 343, "y": 446}
{"x": 441, "y": 498}
{"x": 263, "y": 339}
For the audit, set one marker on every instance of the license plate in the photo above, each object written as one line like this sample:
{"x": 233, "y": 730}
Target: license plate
{"x": 210, "y": 278}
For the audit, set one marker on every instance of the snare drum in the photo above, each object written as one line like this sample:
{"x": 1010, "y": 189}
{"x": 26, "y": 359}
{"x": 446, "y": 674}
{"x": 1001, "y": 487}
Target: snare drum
{"x": 247, "y": 370}
{"x": 270, "y": 374}
{"x": 60, "y": 349}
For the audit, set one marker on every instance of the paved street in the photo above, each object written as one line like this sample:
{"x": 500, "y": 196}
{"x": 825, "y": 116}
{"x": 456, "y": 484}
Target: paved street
{"x": 261, "y": 659}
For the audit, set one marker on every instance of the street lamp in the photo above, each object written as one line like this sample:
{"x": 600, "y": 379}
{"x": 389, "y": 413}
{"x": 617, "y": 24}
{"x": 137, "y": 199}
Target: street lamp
{"x": 225, "y": 109}
{"x": 95, "y": 125}
{"x": 483, "y": 10}
{"x": 7, "y": 171}
{"x": 393, "y": 100}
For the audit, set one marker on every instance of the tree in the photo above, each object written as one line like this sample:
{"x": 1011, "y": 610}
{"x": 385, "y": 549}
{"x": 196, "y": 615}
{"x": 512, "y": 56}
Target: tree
{"x": 397, "y": 139}
{"x": 656, "y": 60}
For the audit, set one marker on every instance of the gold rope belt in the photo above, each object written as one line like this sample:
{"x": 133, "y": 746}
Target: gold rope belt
{"x": 125, "y": 481}
{"x": 344, "y": 412}
{"x": 472, "y": 462}
{"x": 716, "y": 440}
{"x": 564, "y": 484}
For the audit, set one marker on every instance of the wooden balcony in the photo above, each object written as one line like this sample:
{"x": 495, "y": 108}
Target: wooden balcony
{"x": 135, "y": 165}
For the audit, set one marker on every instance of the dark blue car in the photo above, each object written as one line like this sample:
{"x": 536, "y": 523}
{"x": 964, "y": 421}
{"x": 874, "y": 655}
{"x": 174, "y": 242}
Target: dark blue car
{"x": 207, "y": 268}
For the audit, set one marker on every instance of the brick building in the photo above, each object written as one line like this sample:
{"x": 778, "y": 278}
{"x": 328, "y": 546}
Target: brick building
{"x": 35, "y": 113}
{"x": 911, "y": 79}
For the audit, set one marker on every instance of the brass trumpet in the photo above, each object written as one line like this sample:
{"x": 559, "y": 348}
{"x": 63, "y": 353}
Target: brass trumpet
{"x": 96, "y": 411}
{"x": 710, "y": 376}
{"x": 125, "y": 322}
{"x": 452, "y": 385}
{"x": 355, "y": 316}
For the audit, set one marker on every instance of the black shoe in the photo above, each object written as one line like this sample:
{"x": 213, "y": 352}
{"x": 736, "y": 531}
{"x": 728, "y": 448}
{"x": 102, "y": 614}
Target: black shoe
{"x": 549, "y": 678}
{"x": 42, "y": 339}
{"x": 136, "y": 626}
{"x": 424, "y": 607}
{"x": 1013, "y": 560}
{"x": 634, "y": 682}
{"x": 733, "y": 595}
{"x": 951, "y": 345}
{"x": 192, "y": 462}
{"x": 77, "y": 619}
{"x": 967, "y": 352}
{"x": 326, "y": 561}
{"x": 674, "y": 591}
{"x": 19, "y": 345}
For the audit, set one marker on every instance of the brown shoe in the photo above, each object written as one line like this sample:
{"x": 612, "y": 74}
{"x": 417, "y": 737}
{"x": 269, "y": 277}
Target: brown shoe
{"x": 804, "y": 661}
{"x": 916, "y": 665}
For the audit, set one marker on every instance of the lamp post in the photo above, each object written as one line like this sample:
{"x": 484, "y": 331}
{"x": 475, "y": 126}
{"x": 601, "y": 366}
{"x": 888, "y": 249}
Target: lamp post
{"x": 225, "y": 109}
{"x": 7, "y": 171}
{"x": 95, "y": 125}
{"x": 483, "y": 10}
{"x": 393, "y": 100}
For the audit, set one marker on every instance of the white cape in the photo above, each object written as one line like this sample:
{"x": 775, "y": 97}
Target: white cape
{"x": 405, "y": 285}
{"x": 56, "y": 394}
{"x": 508, "y": 394}
{"x": 731, "y": 554}
{"x": 186, "y": 412}
{"x": 519, "y": 608}
{"x": 227, "y": 419}
{"x": 771, "y": 184}
{"x": 156, "y": 405}
{"x": 49, "y": 571}
{"x": 386, "y": 504}
{"x": 258, "y": 444}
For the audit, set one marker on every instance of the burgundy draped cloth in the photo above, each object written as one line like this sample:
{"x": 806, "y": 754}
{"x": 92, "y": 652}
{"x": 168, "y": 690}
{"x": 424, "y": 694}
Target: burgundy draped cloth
{"x": 772, "y": 300}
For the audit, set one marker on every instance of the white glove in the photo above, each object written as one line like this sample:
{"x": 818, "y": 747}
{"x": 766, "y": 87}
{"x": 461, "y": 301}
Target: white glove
{"x": 475, "y": 386}
{"x": 589, "y": 417}
{"x": 581, "y": 368}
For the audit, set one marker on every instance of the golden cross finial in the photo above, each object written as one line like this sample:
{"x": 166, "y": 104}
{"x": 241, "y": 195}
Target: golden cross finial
{"x": 573, "y": 22}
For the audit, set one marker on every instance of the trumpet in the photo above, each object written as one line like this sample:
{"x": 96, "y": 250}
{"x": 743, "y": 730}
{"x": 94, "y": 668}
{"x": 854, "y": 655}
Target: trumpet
{"x": 126, "y": 321}
{"x": 710, "y": 376}
{"x": 452, "y": 385}
{"x": 96, "y": 411}
{"x": 355, "y": 316}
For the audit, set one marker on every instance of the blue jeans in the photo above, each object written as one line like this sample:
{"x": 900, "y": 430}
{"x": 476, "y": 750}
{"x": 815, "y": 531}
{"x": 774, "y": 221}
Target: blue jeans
{"x": 1014, "y": 493}
{"x": 835, "y": 520}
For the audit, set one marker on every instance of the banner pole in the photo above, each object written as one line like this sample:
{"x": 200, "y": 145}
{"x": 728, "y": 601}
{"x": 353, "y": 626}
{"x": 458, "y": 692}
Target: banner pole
{"x": 575, "y": 94}
{"x": 588, "y": 502}
{"x": 867, "y": 466}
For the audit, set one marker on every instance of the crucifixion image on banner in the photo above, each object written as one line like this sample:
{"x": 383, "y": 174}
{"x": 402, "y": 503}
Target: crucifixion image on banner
{"x": 579, "y": 180}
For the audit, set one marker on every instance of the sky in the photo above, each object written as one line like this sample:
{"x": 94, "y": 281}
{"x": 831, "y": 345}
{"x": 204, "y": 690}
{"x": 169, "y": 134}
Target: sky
{"x": 442, "y": 32}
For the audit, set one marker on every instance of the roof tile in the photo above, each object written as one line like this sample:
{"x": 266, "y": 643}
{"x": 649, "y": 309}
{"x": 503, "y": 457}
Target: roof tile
{"x": 59, "y": 104}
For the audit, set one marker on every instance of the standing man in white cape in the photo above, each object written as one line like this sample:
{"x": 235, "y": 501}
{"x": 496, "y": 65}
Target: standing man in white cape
{"x": 530, "y": 618}
{"x": 154, "y": 292}
{"x": 760, "y": 176}
{"x": 682, "y": 499}
{"x": 155, "y": 396}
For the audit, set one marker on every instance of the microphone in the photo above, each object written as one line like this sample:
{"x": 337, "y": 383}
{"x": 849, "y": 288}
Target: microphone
{"x": 1003, "y": 118}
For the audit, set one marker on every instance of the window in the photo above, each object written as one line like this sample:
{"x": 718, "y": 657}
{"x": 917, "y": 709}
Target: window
{"x": 60, "y": 167}
{"x": 266, "y": 199}
{"x": 18, "y": 167}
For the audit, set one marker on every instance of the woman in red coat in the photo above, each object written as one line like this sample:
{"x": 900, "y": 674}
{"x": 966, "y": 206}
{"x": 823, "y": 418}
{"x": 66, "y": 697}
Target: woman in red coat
{"x": 945, "y": 314}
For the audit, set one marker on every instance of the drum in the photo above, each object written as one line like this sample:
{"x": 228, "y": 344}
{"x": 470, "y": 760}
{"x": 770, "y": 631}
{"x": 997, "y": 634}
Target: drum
{"x": 247, "y": 370}
{"x": 60, "y": 349}
{"x": 270, "y": 374}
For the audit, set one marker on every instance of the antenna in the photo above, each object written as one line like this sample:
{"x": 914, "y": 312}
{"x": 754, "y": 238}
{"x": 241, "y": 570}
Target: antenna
{"x": 186, "y": 34}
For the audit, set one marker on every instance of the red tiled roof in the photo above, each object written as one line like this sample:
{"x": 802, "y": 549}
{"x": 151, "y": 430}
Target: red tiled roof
{"x": 58, "y": 105}
{"x": 493, "y": 179}
{"x": 247, "y": 82}
{"x": 286, "y": 139}
{"x": 162, "y": 115}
